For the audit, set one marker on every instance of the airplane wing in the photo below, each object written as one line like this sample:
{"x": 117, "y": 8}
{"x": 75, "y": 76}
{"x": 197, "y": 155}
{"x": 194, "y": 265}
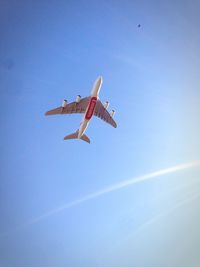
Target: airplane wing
{"x": 70, "y": 108}
{"x": 103, "y": 114}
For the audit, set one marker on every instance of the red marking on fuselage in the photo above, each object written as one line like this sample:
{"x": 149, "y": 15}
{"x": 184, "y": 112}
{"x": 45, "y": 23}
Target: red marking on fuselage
{"x": 91, "y": 107}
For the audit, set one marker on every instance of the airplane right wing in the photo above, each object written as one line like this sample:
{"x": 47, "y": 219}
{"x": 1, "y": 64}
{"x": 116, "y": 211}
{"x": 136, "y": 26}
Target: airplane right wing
{"x": 70, "y": 108}
{"x": 102, "y": 113}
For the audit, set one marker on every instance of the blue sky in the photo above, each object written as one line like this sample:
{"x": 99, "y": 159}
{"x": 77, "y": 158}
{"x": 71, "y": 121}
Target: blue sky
{"x": 54, "y": 50}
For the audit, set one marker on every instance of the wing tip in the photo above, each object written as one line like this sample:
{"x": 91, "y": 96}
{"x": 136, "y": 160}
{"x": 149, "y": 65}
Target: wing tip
{"x": 49, "y": 113}
{"x": 114, "y": 124}
{"x": 55, "y": 111}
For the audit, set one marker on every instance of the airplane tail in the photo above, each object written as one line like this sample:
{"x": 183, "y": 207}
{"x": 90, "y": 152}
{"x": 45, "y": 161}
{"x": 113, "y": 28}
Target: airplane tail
{"x": 84, "y": 137}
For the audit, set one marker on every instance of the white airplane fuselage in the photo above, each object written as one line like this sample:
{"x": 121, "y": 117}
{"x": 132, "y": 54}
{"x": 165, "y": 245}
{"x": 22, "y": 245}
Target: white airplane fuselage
{"x": 91, "y": 106}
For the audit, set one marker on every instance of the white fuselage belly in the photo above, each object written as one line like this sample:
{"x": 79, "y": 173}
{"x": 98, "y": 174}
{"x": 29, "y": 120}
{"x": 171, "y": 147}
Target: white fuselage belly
{"x": 91, "y": 106}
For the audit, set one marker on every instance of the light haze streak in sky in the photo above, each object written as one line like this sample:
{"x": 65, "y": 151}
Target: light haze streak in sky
{"x": 118, "y": 186}
{"x": 158, "y": 216}
{"x": 168, "y": 211}
{"x": 109, "y": 189}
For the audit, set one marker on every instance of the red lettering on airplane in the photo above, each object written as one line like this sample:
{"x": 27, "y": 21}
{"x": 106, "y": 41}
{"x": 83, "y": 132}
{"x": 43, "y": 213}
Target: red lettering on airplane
{"x": 91, "y": 108}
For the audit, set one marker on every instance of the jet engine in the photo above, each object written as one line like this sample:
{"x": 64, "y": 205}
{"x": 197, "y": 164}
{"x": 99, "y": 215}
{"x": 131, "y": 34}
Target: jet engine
{"x": 112, "y": 113}
{"x": 106, "y": 104}
{"x": 64, "y": 104}
{"x": 78, "y": 98}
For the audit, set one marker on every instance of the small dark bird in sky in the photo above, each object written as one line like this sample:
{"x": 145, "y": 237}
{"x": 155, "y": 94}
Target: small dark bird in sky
{"x": 139, "y": 25}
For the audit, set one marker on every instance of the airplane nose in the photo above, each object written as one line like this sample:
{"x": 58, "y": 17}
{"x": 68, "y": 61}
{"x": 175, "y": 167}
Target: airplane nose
{"x": 100, "y": 79}
{"x": 97, "y": 86}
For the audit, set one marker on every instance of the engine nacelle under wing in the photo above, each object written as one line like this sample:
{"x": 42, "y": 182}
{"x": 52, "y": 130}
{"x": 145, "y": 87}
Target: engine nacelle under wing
{"x": 78, "y": 98}
{"x": 112, "y": 113}
{"x": 106, "y": 104}
{"x": 64, "y": 103}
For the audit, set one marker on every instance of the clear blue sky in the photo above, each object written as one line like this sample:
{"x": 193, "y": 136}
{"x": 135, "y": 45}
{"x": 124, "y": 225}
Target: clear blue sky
{"x": 51, "y": 50}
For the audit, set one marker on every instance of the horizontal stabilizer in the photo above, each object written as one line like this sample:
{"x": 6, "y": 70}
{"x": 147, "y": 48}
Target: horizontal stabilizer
{"x": 84, "y": 137}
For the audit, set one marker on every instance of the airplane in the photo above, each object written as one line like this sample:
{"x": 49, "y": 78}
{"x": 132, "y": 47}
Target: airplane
{"x": 90, "y": 106}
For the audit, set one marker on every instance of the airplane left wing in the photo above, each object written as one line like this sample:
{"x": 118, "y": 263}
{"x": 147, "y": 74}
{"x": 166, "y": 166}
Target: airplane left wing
{"x": 70, "y": 108}
{"x": 101, "y": 112}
